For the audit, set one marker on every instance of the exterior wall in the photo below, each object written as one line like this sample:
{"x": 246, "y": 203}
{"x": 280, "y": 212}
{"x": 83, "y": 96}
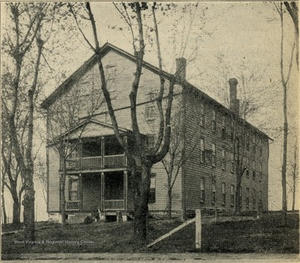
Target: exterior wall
{"x": 194, "y": 169}
{"x": 161, "y": 195}
{"x": 53, "y": 180}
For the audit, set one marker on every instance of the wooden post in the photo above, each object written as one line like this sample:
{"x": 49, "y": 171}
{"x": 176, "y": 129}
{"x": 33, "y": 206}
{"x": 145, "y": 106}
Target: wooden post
{"x": 198, "y": 229}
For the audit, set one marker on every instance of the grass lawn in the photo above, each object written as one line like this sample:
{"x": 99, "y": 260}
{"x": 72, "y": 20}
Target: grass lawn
{"x": 264, "y": 236}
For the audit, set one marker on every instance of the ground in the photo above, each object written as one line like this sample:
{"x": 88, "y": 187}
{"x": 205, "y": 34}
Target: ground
{"x": 228, "y": 235}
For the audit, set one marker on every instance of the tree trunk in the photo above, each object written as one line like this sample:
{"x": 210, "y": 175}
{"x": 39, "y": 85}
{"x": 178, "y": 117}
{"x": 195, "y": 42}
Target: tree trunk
{"x": 16, "y": 213}
{"x": 16, "y": 204}
{"x": 237, "y": 194}
{"x": 141, "y": 197}
{"x": 4, "y": 215}
{"x": 62, "y": 193}
{"x": 28, "y": 203}
{"x": 169, "y": 202}
{"x": 294, "y": 196}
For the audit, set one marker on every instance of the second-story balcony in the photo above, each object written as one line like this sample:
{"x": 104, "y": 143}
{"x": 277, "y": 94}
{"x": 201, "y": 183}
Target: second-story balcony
{"x": 96, "y": 154}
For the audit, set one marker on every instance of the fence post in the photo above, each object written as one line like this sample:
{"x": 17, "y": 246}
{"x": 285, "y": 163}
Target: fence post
{"x": 198, "y": 229}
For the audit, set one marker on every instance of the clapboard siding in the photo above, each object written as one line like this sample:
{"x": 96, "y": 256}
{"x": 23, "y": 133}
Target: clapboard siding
{"x": 161, "y": 190}
{"x": 194, "y": 170}
{"x": 53, "y": 180}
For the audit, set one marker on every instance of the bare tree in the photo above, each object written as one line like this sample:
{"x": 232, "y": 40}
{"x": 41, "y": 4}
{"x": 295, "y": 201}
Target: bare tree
{"x": 137, "y": 154}
{"x": 4, "y": 215}
{"x": 292, "y": 8}
{"x": 28, "y": 28}
{"x": 22, "y": 42}
{"x": 177, "y": 155}
{"x": 294, "y": 173}
{"x": 285, "y": 77}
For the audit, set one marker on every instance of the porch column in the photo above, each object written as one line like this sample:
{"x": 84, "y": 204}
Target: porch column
{"x": 80, "y": 193}
{"x": 102, "y": 192}
{"x": 102, "y": 151}
{"x": 125, "y": 182}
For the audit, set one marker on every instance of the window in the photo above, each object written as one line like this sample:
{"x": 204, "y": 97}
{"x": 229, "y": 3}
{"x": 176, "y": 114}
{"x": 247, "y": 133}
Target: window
{"x": 232, "y": 163}
{"x": 260, "y": 172}
{"x": 202, "y": 121}
{"x": 254, "y": 144}
{"x": 202, "y": 149}
{"x": 73, "y": 188}
{"x": 223, "y": 159}
{"x": 254, "y": 199}
{"x": 232, "y": 195}
{"x": 223, "y": 127}
{"x": 152, "y": 195}
{"x": 213, "y": 193}
{"x": 152, "y": 95}
{"x": 247, "y": 197}
{"x": 260, "y": 198}
{"x": 150, "y": 112}
{"x": 247, "y": 173}
{"x": 223, "y": 194}
{"x": 202, "y": 190}
{"x": 150, "y": 141}
{"x": 213, "y": 157}
{"x": 247, "y": 143}
{"x": 253, "y": 170}
{"x": 260, "y": 146}
{"x": 213, "y": 122}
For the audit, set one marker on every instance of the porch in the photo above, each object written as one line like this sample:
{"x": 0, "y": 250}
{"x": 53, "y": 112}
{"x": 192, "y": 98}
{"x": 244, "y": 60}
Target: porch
{"x": 95, "y": 154}
{"x": 105, "y": 192}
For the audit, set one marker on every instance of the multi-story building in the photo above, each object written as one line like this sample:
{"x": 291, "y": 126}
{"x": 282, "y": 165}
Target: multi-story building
{"x": 213, "y": 140}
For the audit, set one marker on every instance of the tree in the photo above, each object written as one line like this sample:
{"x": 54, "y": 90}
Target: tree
{"x": 292, "y": 9}
{"x": 177, "y": 155}
{"x": 64, "y": 117}
{"x": 294, "y": 173}
{"x": 248, "y": 85}
{"x": 28, "y": 29}
{"x": 137, "y": 154}
{"x": 285, "y": 77}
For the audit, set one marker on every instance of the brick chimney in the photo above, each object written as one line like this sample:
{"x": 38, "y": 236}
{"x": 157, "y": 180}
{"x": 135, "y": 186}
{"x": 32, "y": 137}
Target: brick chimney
{"x": 181, "y": 68}
{"x": 234, "y": 102}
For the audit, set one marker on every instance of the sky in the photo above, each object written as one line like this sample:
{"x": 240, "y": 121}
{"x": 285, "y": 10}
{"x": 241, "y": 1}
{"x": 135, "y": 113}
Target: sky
{"x": 241, "y": 32}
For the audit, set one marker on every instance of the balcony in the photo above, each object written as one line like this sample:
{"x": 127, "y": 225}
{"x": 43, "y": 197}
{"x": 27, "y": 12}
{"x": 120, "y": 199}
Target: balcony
{"x": 95, "y": 163}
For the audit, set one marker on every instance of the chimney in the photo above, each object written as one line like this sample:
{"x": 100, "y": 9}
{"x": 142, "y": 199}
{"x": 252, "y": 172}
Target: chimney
{"x": 181, "y": 68}
{"x": 234, "y": 102}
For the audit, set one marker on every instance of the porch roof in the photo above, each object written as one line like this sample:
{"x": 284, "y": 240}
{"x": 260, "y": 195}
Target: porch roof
{"x": 92, "y": 128}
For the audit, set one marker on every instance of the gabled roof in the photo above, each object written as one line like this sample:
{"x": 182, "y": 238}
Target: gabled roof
{"x": 90, "y": 128}
{"x": 66, "y": 85}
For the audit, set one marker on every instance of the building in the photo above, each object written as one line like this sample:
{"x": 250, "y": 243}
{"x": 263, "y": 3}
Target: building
{"x": 97, "y": 173}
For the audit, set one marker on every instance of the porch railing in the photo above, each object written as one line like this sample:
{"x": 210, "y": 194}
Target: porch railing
{"x": 114, "y": 204}
{"x": 94, "y": 163}
{"x": 91, "y": 162}
{"x": 72, "y": 205}
{"x": 114, "y": 161}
